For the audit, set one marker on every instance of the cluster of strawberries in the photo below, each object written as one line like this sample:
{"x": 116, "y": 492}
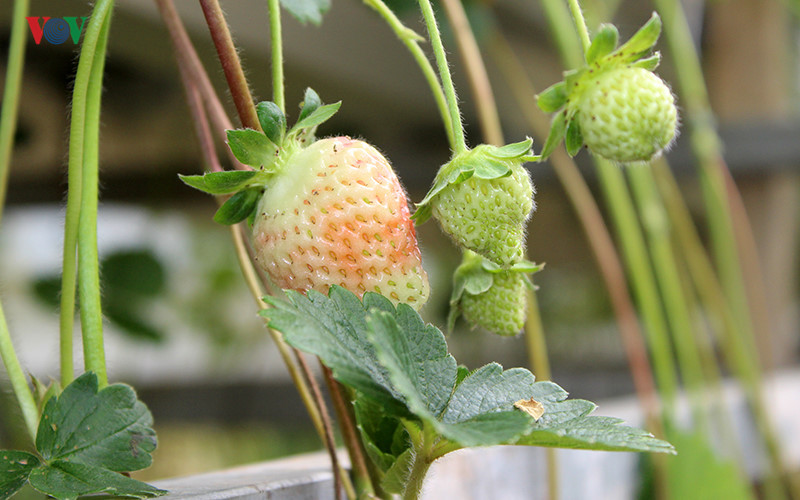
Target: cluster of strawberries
{"x": 332, "y": 211}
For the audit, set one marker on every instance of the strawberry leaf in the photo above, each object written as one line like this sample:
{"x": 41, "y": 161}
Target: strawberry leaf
{"x": 553, "y": 97}
{"x": 311, "y": 102}
{"x": 641, "y": 42}
{"x": 649, "y": 63}
{"x": 603, "y": 43}
{"x": 225, "y": 182}
{"x": 574, "y": 138}
{"x": 63, "y": 479}
{"x": 238, "y": 207}
{"x": 252, "y": 147}
{"x": 272, "y": 120}
{"x": 316, "y": 117}
{"x": 557, "y": 130}
{"x": 307, "y": 11}
{"x": 389, "y": 355}
{"x": 15, "y": 468}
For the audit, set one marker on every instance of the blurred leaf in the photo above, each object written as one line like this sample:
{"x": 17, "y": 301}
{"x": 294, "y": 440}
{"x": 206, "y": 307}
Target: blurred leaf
{"x": 307, "y": 11}
{"x": 603, "y": 43}
{"x": 135, "y": 271}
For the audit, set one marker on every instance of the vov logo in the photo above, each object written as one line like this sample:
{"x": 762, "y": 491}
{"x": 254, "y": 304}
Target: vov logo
{"x": 56, "y": 30}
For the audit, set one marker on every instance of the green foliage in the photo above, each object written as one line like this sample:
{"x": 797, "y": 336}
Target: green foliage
{"x": 238, "y": 207}
{"x": 85, "y": 438}
{"x": 399, "y": 364}
{"x": 307, "y": 11}
{"x": 252, "y": 147}
{"x": 227, "y": 182}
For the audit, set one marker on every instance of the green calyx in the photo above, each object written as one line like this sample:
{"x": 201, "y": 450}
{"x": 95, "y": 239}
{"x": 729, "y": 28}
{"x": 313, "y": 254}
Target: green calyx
{"x": 266, "y": 152}
{"x": 490, "y": 296}
{"x": 569, "y": 97}
{"x": 483, "y": 162}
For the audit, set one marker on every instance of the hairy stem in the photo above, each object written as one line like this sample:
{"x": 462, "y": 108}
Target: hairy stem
{"x": 19, "y": 382}
{"x": 276, "y": 44}
{"x": 411, "y": 40}
{"x": 444, "y": 75}
{"x": 580, "y": 24}
{"x": 231, "y": 65}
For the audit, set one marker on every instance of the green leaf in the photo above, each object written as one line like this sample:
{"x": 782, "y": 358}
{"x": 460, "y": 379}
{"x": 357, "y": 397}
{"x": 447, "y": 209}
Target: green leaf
{"x": 272, "y": 120}
{"x": 510, "y": 151}
{"x": 252, "y": 147}
{"x": 379, "y": 433}
{"x": 225, "y": 182}
{"x": 66, "y": 480}
{"x": 311, "y": 102}
{"x": 649, "y": 63}
{"x": 574, "y": 138}
{"x": 553, "y": 98}
{"x": 238, "y": 207}
{"x": 108, "y": 428}
{"x": 318, "y": 116}
{"x": 557, "y": 130}
{"x": 15, "y": 468}
{"x": 642, "y": 41}
{"x": 307, "y": 11}
{"x": 603, "y": 43}
{"x": 396, "y": 477}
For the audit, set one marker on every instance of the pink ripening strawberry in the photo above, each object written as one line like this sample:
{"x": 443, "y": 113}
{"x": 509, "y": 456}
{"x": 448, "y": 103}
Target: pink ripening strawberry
{"x": 322, "y": 212}
{"x": 337, "y": 214}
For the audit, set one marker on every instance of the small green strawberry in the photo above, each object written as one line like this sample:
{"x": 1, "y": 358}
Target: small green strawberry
{"x": 332, "y": 212}
{"x": 490, "y": 297}
{"x": 615, "y": 105}
{"x": 483, "y": 198}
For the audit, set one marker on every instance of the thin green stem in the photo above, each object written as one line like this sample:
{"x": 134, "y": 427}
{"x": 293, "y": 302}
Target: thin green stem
{"x": 580, "y": 24}
{"x": 88, "y": 259}
{"x": 10, "y": 109}
{"x": 568, "y": 45}
{"x": 640, "y": 274}
{"x": 444, "y": 75}
{"x": 421, "y": 462}
{"x": 411, "y": 40}
{"x": 276, "y": 44}
{"x": 19, "y": 381}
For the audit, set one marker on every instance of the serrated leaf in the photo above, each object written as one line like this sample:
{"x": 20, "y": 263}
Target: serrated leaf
{"x": 110, "y": 427}
{"x": 642, "y": 41}
{"x": 574, "y": 138}
{"x": 396, "y": 477}
{"x": 272, "y": 121}
{"x": 226, "y": 182}
{"x": 251, "y": 147}
{"x": 311, "y": 102}
{"x": 67, "y": 480}
{"x": 238, "y": 207}
{"x": 553, "y": 98}
{"x": 15, "y": 468}
{"x": 603, "y": 43}
{"x": 318, "y": 116}
{"x": 558, "y": 128}
{"x": 307, "y": 11}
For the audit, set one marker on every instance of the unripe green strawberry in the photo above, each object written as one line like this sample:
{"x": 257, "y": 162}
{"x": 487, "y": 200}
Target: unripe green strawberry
{"x": 482, "y": 198}
{"x": 627, "y": 114}
{"x": 335, "y": 214}
{"x": 501, "y": 308}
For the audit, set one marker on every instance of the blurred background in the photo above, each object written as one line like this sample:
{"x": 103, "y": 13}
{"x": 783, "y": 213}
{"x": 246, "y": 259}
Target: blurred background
{"x": 181, "y": 325}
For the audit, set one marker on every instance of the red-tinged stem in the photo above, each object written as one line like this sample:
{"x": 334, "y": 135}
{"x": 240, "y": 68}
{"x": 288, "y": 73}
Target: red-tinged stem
{"x": 231, "y": 65}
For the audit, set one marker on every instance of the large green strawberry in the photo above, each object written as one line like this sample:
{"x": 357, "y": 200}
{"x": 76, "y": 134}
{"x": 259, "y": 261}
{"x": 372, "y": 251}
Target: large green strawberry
{"x": 331, "y": 212}
{"x": 490, "y": 297}
{"x": 482, "y": 198}
{"x": 615, "y": 105}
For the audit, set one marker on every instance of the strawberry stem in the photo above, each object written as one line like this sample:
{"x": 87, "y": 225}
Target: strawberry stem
{"x": 580, "y": 25}
{"x": 276, "y": 42}
{"x": 19, "y": 381}
{"x": 456, "y": 129}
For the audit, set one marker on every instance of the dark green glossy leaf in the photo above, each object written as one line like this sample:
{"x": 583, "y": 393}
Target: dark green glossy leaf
{"x": 557, "y": 130}
{"x": 272, "y": 121}
{"x": 238, "y": 207}
{"x": 15, "y": 468}
{"x": 311, "y": 102}
{"x": 603, "y": 43}
{"x": 574, "y": 138}
{"x": 307, "y": 11}
{"x": 67, "y": 480}
{"x": 553, "y": 98}
{"x": 110, "y": 427}
{"x": 252, "y": 147}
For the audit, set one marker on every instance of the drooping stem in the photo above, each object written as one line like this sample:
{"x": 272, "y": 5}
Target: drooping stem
{"x": 483, "y": 97}
{"x": 411, "y": 40}
{"x": 580, "y": 24}
{"x": 84, "y": 150}
{"x": 19, "y": 381}
{"x": 231, "y": 65}
{"x": 276, "y": 45}
{"x": 444, "y": 75}
{"x": 10, "y": 109}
